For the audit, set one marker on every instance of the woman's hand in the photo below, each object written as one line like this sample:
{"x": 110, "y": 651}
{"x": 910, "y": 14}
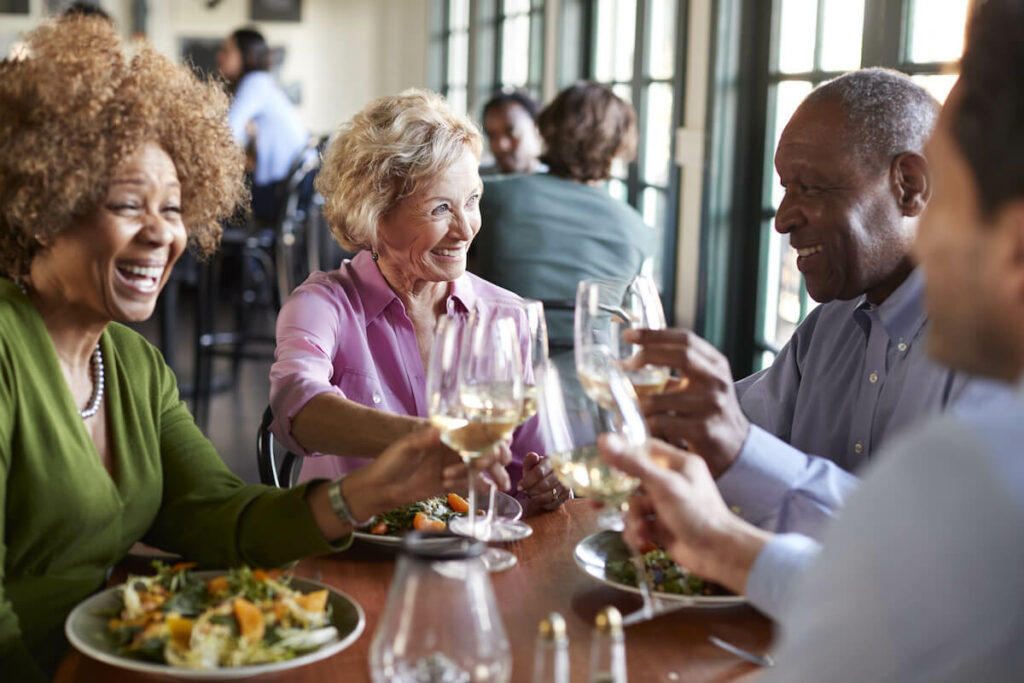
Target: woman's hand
{"x": 493, "y": 466}
{"x": 413, "y": 468}
{"x": 541, "y": 485}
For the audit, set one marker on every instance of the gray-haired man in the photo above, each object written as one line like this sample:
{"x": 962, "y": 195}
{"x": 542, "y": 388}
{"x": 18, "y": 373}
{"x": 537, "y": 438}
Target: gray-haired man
{"x": 856, "y": 372}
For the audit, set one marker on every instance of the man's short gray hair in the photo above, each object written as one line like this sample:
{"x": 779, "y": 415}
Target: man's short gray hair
{"x": 887, "y": 113}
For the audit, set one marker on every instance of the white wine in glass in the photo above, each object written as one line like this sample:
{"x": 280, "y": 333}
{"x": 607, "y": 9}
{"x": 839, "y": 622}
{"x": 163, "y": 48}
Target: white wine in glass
{"x": 475, "y": 395}
{"x": 536, "y": 331}
{"x": 583, "y": 471}
{"x": 529, "y": 403}
{"x": 571, "y": 423}
{"x": 604, "y": 310}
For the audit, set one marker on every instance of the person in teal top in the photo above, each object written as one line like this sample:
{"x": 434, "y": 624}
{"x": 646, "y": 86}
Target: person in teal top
{"x": 543, "y": 233}
{"x": 108, "y": 166}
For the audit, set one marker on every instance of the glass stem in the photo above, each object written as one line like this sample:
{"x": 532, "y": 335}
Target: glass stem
{"x": 644, "y": 584}
{"x": 489, "y": 519}
{"x": 472, "y": 498}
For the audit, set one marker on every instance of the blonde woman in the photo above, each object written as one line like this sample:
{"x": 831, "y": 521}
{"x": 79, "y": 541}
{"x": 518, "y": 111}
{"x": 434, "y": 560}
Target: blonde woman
{"x": 402, "y": 191}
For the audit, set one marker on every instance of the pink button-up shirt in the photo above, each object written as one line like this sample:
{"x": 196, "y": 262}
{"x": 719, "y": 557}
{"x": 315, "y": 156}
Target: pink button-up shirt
{"x": 346, "y": 332}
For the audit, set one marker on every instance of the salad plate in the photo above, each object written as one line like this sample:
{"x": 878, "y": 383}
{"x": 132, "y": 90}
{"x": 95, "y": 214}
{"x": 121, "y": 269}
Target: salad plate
{"x": 505, "y": 507}
{"x": 87, "y": 630}
{"x": 603, "y": 556}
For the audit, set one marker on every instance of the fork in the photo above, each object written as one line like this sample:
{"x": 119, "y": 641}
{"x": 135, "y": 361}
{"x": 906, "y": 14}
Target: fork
{"x": 761, "y": 660}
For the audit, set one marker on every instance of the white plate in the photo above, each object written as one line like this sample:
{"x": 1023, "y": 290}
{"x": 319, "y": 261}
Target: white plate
{"x": 86, "y": 629}
{"x": 506, "y": 507}
{"x": 594, "y": 551}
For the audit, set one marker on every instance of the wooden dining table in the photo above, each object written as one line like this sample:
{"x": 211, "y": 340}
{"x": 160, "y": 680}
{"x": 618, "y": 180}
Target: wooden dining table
{"x": 671, "y": 647}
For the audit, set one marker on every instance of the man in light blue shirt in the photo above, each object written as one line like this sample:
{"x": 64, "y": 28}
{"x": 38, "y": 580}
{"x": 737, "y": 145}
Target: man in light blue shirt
{"x": 784, "y": 442}
{"x": 920, "y": 577}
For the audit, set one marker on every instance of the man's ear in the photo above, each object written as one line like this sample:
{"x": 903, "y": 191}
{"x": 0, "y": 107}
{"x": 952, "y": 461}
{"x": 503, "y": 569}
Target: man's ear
{"x": 911, "y": 183}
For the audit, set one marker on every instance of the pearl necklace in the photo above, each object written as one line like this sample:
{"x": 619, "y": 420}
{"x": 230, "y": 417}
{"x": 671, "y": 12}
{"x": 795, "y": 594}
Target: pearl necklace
{"x": 97, "y": 372}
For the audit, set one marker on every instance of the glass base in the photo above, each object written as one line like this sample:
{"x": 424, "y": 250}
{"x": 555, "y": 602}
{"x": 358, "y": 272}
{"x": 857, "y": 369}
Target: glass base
{"x": 611, "y": 520}
{"x": 497, "y": 560}
{"x": 499, "y": 530}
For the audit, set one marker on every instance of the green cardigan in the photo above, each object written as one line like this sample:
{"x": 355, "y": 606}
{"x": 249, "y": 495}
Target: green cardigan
{"x": 65, "y": 520}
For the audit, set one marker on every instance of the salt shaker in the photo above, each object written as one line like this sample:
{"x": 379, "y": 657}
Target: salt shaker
{"x": 551, "y": 653}
{"x": 608, "y": 648}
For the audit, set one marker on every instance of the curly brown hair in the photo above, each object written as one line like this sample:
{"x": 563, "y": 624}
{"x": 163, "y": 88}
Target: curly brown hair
{"x": 76, "y": 107}
{"x": 584, "y": 128}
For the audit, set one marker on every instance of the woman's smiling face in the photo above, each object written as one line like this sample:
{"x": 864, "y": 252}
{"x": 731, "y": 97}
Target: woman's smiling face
{"x": 425, "y": 238}
{"x": 115, "y": 261}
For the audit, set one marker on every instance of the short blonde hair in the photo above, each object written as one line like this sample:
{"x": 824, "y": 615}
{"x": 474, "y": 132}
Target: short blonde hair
{"x": 385, "y": 154}
{"x": 78, "y": 106}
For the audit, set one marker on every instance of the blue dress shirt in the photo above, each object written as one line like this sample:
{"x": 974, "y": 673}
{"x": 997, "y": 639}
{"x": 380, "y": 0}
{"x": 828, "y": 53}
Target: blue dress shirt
{"x": 280, "y": 135}
{"x": 920, "y": 577}
{"x": 852, "y": 375}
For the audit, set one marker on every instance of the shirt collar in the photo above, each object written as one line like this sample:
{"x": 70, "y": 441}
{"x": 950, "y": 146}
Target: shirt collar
{"x": 902, "y": 313}
{"x": 374, "y": 290}
{"x": 376, "y": 294}
{"x": 462, "y": 295}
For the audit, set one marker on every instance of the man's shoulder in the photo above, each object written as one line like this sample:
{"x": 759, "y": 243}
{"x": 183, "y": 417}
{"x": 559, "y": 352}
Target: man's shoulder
{"x": 982, "y": 441}
{"x": 504, "y": 184}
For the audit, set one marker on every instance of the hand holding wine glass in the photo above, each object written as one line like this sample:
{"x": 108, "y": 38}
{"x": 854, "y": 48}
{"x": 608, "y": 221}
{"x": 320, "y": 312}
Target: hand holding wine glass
{"x": 604, "y": 311}
{"x": 571, "y": 423}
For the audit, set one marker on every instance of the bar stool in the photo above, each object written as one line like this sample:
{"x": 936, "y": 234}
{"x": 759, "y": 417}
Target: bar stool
{"x": 262, "y": 262}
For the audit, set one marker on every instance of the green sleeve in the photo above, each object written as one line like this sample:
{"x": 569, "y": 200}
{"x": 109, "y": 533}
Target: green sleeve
{"x": 210, "y": 515}
{"x": 15, "y": 660}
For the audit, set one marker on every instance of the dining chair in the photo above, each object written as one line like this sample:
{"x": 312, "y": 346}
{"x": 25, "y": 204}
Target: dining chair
{"x": 277, "y": 466}
{"x": 559, "y": 344}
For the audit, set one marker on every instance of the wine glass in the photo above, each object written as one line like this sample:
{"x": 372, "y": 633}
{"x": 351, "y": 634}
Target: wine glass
{"x": 537, "y": 355}
{"x": 529, "y": 314}
{"x": 605, "y": 309}
{"x": 414, "y": 643}
{"x": 571, "y": 422}
{"x": 475, "y": 395}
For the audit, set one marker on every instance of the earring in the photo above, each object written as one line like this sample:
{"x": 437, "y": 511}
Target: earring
{"x": 376, "y": 256}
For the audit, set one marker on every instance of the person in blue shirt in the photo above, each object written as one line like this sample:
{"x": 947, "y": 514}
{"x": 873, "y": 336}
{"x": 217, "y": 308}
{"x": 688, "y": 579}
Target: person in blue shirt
{"x": 784, "y": 444}
{"x": 920, "y": 577}
{"x": 261, "y": 114}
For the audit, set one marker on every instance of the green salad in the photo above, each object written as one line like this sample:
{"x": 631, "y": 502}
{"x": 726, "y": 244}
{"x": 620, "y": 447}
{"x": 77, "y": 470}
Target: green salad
{"x": 429, "y": 515}
{"x": 666, "y": 576}
{"x": 248, "y": 616}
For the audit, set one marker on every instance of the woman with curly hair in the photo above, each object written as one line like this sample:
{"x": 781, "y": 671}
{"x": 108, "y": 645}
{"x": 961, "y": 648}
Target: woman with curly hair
{"x": 547, "y": 231}
{"x": 109, "y": 164}
{"x": 402, "y": 190}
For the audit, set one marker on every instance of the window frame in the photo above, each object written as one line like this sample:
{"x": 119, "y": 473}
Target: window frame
{"x": 733, "y": 310}
{"x": 639, "y": 86}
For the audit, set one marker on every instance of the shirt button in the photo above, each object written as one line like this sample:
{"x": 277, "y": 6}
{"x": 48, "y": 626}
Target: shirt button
{"x": 376, "y": 398}
{"x": 858, "y": 448}
{"x": 902, "y": 346}
{"x": 873, "y": 377}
